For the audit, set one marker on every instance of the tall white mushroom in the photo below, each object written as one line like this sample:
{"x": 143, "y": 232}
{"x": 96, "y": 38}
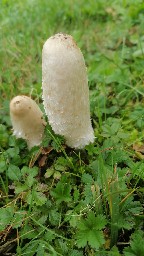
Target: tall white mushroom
{"x": 65, "y": 90}
{"x": 27, "y": 120}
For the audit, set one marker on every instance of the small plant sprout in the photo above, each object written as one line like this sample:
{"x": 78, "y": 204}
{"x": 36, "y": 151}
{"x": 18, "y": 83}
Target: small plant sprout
{"x": 27, "y": 120}
{"x": 65, "y": 90}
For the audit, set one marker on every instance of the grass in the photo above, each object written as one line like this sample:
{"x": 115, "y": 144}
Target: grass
{"x": 56, "y": 200}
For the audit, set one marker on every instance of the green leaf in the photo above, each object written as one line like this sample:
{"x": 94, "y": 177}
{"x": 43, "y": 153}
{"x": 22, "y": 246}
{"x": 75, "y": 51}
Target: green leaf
{"x": 76, "y": 194}
{"x": 57, "y": 175}
{"x": 28, "y": 232}
{"x": 76, "y": 253}
{"x": 49, "y": 173}
{"x": 114, "y": 252}
{"x": 48, "y": 236}
{"x": 126, "y": 222}
{"x": 3, "y": 166}
{"x": 31, "y": 248}
{"x": 12, "y": 152}
{"x": 136, "y": 244}
{"x": 100, "y": 221}
{"x": 94, "y": 238}
{"x": 3, "y": 136}
{"x": 37, "y": 198}
{"x": 62, "y": 192}
{"x": 73, "y": 219}
{"x": 6, "y": 216}
{"x": 29, "y": 171}
{"x": 111, "y": 127}
{"x": 88, "y": 196}
{"x": 30, "y": 180}
{"x": 41, "y": 249}
{"x": 63, "y": 247}
{"x": 81, "y": 239}
{"x": 87, "y": 178}
{"x": 18, "y": 219}
{"x": 89, "y": 231}
{"x": 54, "y": 217}
{"x": 20, "y": 188}
{"x": 14, "y": 173}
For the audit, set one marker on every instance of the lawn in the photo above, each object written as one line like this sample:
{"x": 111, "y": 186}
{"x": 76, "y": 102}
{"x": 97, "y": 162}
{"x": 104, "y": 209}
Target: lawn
{"x": 56, "y": 200}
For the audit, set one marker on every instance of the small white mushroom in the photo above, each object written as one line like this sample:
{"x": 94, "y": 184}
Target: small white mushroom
{"x": 27, "y": 120}
{"x": 65, "y": 90}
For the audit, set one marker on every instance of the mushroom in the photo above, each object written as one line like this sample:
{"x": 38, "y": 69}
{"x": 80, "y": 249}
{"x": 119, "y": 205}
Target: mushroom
{"x": 65, "y": 90}
{"x": 27, "y": 120}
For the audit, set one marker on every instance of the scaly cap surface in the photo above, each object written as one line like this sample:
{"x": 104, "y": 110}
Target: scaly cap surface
{"x": 27, "y": 120}
{"x": 65, "y": 90}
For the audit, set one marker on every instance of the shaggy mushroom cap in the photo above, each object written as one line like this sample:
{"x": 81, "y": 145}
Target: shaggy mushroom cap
{"x": 65, "y": 90}
{"x": 27, "y": 120}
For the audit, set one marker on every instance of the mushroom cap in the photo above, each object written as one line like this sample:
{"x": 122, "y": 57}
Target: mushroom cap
{"x": 27, "y": 120}
{"x": 19, "y": 105}
{"x": 65, "y": 90}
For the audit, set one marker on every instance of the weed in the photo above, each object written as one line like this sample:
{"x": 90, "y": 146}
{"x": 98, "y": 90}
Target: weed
{"x": 56, "y": 200}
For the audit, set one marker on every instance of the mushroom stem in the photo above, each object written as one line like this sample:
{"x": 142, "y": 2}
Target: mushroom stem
{"x": 65, "y": 90}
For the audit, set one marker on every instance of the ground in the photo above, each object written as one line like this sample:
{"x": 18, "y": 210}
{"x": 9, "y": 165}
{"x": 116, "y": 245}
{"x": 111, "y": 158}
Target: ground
{"x": 56, "y": 200}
